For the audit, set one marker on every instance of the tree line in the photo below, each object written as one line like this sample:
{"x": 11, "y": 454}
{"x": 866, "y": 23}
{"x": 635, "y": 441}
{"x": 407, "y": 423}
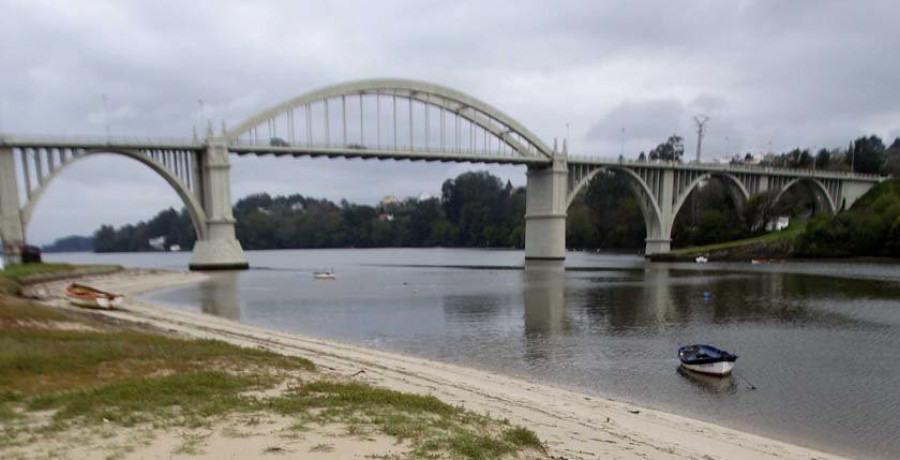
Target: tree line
{"x": 866, "y": 154}
{"x": 476, "y": 209}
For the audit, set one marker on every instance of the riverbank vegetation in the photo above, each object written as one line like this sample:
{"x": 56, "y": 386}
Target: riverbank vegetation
{"x": 870, "y": 228}
{"x": 36, "y": 272}
{"x": 73, "y": 381}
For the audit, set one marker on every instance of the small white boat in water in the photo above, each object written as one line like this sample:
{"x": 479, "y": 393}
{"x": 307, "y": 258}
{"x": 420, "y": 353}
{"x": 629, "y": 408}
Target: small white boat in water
{"x": 706, "y": 359}
{"x": 701, "y": 259}
{"x": 325, "y": 274}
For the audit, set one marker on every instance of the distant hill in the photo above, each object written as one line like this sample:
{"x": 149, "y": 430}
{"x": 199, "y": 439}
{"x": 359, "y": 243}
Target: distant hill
{"x": 72, "y": 243}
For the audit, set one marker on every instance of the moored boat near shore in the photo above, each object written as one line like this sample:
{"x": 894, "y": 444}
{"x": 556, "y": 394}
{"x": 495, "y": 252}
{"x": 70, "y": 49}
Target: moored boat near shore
{"x": 706, "y": 359}
{"x": 88, "y": 297}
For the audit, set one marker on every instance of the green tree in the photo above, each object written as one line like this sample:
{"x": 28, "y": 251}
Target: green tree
{"x": 670, "y": 150}
{"x": 866, "y": 155}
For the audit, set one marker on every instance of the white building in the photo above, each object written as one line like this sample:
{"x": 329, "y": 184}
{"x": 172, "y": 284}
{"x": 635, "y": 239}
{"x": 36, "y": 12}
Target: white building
{"x": 778, "y": 224}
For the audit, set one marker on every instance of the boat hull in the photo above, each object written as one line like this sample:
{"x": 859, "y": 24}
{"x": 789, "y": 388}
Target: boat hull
{"x": 88, "y": 297}
{"x": 98, "y": 303}
{"x": 716, "y": 368}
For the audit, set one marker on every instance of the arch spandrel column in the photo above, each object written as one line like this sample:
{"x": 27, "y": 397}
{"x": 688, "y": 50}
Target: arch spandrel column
{"x": 221, "y": 249}
{"x": 12, "y": 231}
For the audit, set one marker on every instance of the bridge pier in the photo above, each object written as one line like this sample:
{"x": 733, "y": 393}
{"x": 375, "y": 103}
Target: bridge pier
{"x": 220, "y": 249}
{"x": 545, "y": 210}
{"x": 659, "y": 234}
{"x": 12, "y": 231}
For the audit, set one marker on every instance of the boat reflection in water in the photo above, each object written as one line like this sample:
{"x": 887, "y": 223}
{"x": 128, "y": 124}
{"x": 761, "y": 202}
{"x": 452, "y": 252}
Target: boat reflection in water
{"x": 710, "y": 383}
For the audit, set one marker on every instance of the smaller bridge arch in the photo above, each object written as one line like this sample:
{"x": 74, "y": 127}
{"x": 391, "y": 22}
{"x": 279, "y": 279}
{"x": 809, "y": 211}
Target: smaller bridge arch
{"x": 818, "y": 190}
{"x": 580, "y": 176}
{"x": 190, "y": 201}
{"x": 737, "y": 188}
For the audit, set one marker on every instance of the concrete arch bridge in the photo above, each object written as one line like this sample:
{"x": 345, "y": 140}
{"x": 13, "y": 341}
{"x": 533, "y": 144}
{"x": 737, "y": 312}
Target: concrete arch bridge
{"x": 385, "y": 119}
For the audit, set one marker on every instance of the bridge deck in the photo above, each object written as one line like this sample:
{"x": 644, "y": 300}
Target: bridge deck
{"x": 125, "y": 143}
{"x": 385, "y": 154}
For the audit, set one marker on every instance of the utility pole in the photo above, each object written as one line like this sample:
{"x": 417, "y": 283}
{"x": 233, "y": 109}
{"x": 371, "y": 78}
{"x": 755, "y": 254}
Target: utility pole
{"x": 202, "y": 113}
{"x": 700, "y": 120}
{"x": 622, "y": 152}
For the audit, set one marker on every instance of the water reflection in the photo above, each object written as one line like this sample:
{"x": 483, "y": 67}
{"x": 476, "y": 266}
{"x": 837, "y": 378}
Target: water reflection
{"x": 709, "y": 383}
{"x": 662, "y": 297}
{"x": 545, "y": 297}
{"x": 219, "y": 297}
{"x": 545, "y": 316}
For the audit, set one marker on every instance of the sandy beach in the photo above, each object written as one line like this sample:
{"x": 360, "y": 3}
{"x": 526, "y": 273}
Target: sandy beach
{"x": 572, "y": 425}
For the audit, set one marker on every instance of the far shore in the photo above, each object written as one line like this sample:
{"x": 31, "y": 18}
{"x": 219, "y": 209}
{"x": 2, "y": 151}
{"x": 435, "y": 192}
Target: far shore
{"x": 570, "y": 424}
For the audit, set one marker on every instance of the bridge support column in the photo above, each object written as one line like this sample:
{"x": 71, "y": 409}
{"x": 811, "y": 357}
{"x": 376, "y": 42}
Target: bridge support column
{"x": 11, "y": 230}
{"x": 545, "y": 211}
{"x": 219, "y": 250}
{"x": 659, "y": 234}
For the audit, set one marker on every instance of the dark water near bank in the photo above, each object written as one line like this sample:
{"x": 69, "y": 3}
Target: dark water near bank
{"x": 818, "y": 340}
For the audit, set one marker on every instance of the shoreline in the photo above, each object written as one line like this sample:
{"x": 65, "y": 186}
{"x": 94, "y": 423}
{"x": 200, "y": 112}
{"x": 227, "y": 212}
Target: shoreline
{"x": 572, "y": 425}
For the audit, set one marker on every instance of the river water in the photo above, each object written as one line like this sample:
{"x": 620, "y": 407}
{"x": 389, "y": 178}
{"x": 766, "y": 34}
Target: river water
{"x": 816, "y": 339}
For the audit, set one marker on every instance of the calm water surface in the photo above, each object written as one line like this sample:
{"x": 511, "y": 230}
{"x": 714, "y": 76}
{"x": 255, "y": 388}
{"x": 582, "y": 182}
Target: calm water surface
{"x": 818, "y": 340}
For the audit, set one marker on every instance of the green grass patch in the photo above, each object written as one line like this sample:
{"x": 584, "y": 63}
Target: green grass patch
{"x": 38, "y": 361}
{"x": 14, "y": 312}
{"x": 522, "y": 437}
{"x": 792, "y": 232}
{"x": 429, "y": 424}
{"x": 35, "y": 360}
{"x": 335, "y": 394}
{"x": 24, "y": 271}
{"x": 475, "y": 446}
{"x": 195, "y": 394}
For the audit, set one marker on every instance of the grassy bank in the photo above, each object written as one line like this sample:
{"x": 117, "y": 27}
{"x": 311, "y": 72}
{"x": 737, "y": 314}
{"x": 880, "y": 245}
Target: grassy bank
{"x": 775, "y": 244}
{"x": 70, "y": 379}
{"x": 24, "y": 273}
{"x": 789, "y": 233}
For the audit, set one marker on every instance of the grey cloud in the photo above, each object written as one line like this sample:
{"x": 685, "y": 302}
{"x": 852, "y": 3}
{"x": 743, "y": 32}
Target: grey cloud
{"x": 797, "y": 73}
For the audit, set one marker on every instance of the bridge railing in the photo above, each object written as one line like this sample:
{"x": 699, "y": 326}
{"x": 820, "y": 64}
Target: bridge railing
{"x": 55, "y": 141}
{"x": 759, "y": 169}
{"x": 281, "y": 143}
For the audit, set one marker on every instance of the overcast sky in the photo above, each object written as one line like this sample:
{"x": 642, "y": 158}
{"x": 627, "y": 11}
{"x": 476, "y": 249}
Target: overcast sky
{"x": 779, "y": 73}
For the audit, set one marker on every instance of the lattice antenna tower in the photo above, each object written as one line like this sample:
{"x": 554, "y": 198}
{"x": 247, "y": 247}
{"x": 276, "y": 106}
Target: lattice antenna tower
{"x": 700, "y": 120}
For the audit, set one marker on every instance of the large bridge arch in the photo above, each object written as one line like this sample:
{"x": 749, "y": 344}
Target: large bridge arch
{"x": 193, "y": 206}
{"x": 817, "y": 188}
{"x": 738, "y": 190}
{"x": 488, "y": 118}
{"x": 653, "y": 216}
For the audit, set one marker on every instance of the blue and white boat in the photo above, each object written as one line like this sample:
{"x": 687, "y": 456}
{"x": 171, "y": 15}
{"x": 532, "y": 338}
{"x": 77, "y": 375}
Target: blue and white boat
{"x": 706, "y": 359}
